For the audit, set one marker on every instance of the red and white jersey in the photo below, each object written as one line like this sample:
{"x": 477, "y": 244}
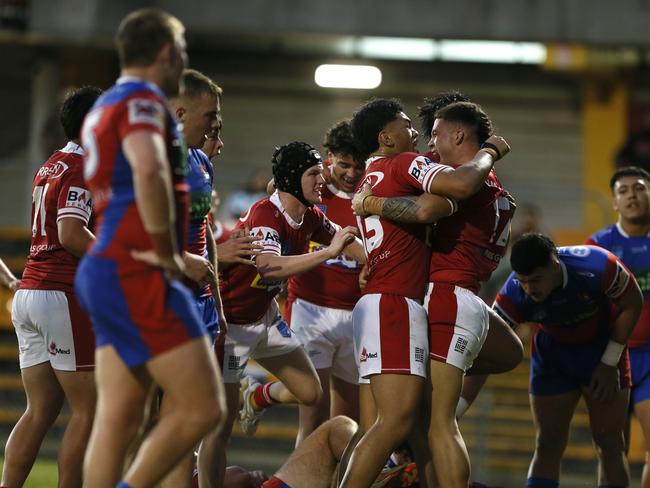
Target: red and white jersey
{"x": 397, "y": 253}
{"x": 468, "y": 245}
{"x": 335, "y": 283}
{"x": 245, "y": 295}
{"x": 58, "y": 192}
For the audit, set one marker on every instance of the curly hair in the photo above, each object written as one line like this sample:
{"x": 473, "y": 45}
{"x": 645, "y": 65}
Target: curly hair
{"x": 370, "y": 120}
{"x": 427, "y": 112}
{"x": 339, "y": 140}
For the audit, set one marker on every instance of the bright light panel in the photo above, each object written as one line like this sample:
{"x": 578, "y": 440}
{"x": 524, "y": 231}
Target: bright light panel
{"x": 347, "y": 76}
{"x": 412, "y": 49}
{"x": 492, "y": 51}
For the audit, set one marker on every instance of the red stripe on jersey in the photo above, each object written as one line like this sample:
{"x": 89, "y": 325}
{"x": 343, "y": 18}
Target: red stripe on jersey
{"x": 82, "y": 335}
{"x": 394, "y": 331}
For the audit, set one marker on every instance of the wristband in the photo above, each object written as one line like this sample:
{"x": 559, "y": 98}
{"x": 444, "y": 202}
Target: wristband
{"x": 489, "y": 145}
{"x": 612, "y": 354}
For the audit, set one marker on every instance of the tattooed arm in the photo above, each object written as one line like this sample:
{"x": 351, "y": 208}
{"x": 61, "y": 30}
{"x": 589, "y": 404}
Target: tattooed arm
{"x": 425, "y": 209}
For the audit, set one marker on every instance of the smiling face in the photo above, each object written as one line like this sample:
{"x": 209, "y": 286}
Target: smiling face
{"x": 399, "y": 135}
{"x": 632, "y": 199}
{"x": 312, "y": 183}
{"x": 445, "y": 137}
{"x": 345, "y": 172}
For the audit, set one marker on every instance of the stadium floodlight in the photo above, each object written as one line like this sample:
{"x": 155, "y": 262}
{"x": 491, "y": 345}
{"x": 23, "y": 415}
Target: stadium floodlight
{"x": 347, "y": 76}
{"x": 492, "y": 51}
{"x": 409, "y": 49}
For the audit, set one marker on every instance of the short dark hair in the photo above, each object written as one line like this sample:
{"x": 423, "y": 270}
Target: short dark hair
{"x": 470, "y": 115}
{"x": 75, "y": 106}
{"x": 628, "y": 171}
{"x": 531, "y": 251}
{"x": 143, "y": 33}
{"x": 427, "y": 112}
{"x": 196, "y": 84}
{"x": 338, "y": 140}
{"x": 370, "y": 120}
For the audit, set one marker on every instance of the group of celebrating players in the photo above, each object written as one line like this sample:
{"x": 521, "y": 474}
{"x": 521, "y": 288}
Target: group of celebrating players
{"x": 130, "y": 310}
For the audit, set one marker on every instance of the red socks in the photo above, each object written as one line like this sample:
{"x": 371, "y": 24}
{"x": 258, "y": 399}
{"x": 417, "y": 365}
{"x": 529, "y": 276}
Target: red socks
{"x": 262, "y": 396}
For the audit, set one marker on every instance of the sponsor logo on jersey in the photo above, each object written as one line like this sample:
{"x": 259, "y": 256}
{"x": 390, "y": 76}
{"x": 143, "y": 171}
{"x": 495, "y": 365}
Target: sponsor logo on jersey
{"x": 234, "y": 363}
{"x": 79, "y": 198}
{"x": 419, "y": 355}
{"x": 266, "y": 234}
{"x": 365, "y": 355}
{"x": 580, "y": 251}
{"x": 419, "y": 167}
{"x": 146, "y": 111}
{"x": 53, "y": 350}
{"x": 53, "y": 170}
{"x": 643, "y": 279}
{"x": 461, "y": 345}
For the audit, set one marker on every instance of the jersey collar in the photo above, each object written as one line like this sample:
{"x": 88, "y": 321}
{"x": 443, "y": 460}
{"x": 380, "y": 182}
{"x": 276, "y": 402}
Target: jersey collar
{"x": 625, "y": 234}
{"x": 275, "y": 200}
{"x": 339, "y": 193}
{"x": 72, "y": 148}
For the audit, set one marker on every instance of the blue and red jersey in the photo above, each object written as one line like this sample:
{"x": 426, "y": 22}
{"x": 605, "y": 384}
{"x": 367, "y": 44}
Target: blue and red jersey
{"x": 582, "y": 309}
{"x": 129, "y": 106}
{"x": 635, "y": 253}
{"x": 200, "y": 176}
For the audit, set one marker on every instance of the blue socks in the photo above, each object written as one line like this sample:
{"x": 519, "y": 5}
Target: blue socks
{"x": 122, "y": 484}
{"x": 542, "y": 483}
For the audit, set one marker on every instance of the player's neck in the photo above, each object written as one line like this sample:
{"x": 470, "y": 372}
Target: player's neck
{"x": 294, "y": 207}
{"x": 633, "y": 229}
{"x": 146, "y": 73}
{"x": 465, "y": 154}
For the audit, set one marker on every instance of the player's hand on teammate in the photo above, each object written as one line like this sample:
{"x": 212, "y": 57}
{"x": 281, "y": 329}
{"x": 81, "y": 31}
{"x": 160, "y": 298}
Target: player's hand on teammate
{"x": 357, "y": 200}
{"x": 341, "y": 239}
{"x": 604, "y": 383}
{"x": 501, "y": 145}
{"x": 363, "y": 277}
{"x": 240, "y": 248}
{"x": 172, "y": 266}
{"x": 199, "y": 269}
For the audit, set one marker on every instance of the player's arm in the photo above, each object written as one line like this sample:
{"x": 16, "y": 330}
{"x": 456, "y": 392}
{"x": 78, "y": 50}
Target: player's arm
{"x": 7, "y": 277}
{"x": 146, "y": 153}
{"x": 425, "y": 209}
{"x": 74, "y": 235}
{"x": 625, "y": 292}
{"x": 213, "y": 258}
{"x": 355, "y": 251}
{"x": 275, "y": 267}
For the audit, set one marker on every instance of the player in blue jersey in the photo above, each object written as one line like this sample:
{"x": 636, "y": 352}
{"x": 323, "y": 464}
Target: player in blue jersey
{"x": 146, "y": 323}
{"x": 585, "y": 304}
{"x": 629, "y": 239}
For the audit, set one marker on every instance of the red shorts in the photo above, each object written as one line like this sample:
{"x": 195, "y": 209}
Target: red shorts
{"x": 458, "y": 324}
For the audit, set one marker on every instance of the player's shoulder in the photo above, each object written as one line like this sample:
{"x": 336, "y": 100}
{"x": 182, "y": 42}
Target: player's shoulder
{"x": 606, "y": 236}
{"x": 585, "y": 259}
{"x": 199, "y": 157}
{"x": 63, "y": 163}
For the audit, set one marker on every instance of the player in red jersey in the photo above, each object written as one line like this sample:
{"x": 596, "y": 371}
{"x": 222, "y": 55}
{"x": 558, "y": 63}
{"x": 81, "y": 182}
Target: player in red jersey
{"x": 285, "y": 221}
{"x": 146, "y": 322}
{"x": 320, "y": 302}
{"x": 55, "y": 337}
{"x": 389, "y": 322}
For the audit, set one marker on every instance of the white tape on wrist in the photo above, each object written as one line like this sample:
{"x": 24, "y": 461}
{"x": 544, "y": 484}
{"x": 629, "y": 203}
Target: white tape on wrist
{"x": 612, "y": 354}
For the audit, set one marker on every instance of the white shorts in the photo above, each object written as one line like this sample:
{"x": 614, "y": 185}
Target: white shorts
{"x": 51, "y": 326}
{"x": 390, "y": 335}
{"x": 326, "y": 335}
{"x": 269, "y": 337}
{"x": 458, "y": 324}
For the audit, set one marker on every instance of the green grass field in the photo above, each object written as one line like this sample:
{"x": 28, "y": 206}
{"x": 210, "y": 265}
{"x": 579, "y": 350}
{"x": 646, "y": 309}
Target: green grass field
{"x": 43, "y": 474}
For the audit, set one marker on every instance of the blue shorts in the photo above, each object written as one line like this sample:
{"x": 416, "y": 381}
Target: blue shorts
{"x": 141, "y": 314}
{"x": 640, "y": 366}
{"x": 557, "y": 368}
{"x": 208, "y": 314}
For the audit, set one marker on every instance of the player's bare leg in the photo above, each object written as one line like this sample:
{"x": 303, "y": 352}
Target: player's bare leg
{"x": 299, "y": 382}
{"x": 642, "y": 412}
{"x": 121, "y": 394}
{"x": 190, "y": 380}
{"x": 212, "y": 452}
{"x": 502, "y": 350}
{"x": 607, "y": 421}
{"x": 450, "y": 457}
{"x": 44, "y": 401}
{"x": 367, "y": 408}
{"x": 79, "y": 388}
{"x": 339, "y": 398}
{"x": 552, "y": 416}
{"x": 393, "y": 424}
{"x": 313, "y": 463}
